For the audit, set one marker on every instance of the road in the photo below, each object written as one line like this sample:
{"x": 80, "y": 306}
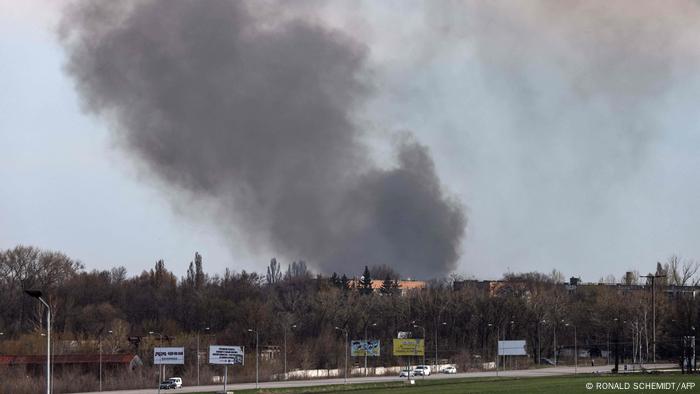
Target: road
{"x": 551, "y": 371}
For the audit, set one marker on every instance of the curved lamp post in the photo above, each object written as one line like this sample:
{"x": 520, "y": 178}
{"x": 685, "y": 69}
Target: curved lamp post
{"x": 160, "y": 367}
{"x": 256, "y": 357}
{"x": 423, "y": 328}
{"x": 38, "y": 295}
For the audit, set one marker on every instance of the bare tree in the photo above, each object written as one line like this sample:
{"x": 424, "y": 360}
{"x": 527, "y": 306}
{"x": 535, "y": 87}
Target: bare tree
{"x": 274, "y": 273}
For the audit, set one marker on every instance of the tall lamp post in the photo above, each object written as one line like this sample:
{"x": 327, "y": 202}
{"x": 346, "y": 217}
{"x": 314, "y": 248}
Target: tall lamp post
{"x": 555, "y": 342}
{"x": 198, "y": 332}
{"x": 345, "y": 331}
{"x": 423, "y": 328}
{"x": 160, "y": 367}
{"x": 498, "y": 334}
{"x": 100, "y": 344}
{"x": 257, "y": 376}
{"x": 539, "y": 341}
{"x": 653, "y": 309}
{"x": 437, "y": 329}
{"x": 38, "y": 295}
{"x": 285, "y": 348}
{"x": 575, "y": 347}
{"x": 373, "y": 325}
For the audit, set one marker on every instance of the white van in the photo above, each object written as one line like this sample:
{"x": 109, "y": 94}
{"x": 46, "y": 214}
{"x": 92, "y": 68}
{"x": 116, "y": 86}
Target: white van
{"x": 178, "y": 382}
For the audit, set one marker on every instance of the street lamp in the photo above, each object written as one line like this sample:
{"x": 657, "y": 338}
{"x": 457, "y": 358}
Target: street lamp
{"x": 498, "y": 334}
{"x": 345, "y": 331}
{"x": 539, "y": 341}
{"x": 512, "y": 322}
{"x": 257, "y": 376}
{"x": 285, "y": 348}
{"x": 38, "y": 295}
{"x": 198, "y": 332}
{"x": 437, "y": 329}
{"x": 423, "y": 328}
{"x": 160, "y": 367}
{"x": 100, "y": 345}
{"x": 575, "y": 347}
{"x": 373, "y": 325}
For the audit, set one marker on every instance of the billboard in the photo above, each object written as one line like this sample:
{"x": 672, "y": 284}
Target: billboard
{"x": 511, "y": 348}
{"x": 409, "y": 347}
{"x": 361, "y": 347}
{"x": 226, "y": 355}
{"x": 169, "y": 355}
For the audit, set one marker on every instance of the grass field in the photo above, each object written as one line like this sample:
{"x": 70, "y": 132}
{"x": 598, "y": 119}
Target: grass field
{"x": 558, "y": 384}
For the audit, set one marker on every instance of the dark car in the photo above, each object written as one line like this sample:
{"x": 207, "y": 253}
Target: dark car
{"x": 168, "y": 384}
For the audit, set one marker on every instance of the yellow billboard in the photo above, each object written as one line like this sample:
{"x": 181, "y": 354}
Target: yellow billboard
{"x": 409, "y": 347}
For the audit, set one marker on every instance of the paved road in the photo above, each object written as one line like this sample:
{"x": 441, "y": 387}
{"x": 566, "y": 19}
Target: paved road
{"x": 552, "y": 371}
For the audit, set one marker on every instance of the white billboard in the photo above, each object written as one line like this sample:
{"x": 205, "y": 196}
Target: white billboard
{"x": 226, "y": 355}
{"x": 511, "y": 348}
{"x": 361, "y": 347}
{"x": 169, "y": 355}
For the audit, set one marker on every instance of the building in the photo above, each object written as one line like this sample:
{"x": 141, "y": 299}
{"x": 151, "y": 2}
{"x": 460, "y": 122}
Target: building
{"x": 404, "y": 286}
{"x": 37, "y": 363}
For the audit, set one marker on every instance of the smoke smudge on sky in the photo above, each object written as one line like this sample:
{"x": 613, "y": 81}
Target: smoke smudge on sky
{"x": 258, "y": 120}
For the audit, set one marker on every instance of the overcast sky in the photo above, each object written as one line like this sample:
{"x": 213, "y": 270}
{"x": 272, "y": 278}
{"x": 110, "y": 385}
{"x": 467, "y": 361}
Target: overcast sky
{"x": 568, "y": 130}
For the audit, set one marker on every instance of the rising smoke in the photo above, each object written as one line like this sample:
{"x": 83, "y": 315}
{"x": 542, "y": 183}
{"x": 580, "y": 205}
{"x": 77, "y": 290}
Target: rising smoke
{"x": 256, "y": 117}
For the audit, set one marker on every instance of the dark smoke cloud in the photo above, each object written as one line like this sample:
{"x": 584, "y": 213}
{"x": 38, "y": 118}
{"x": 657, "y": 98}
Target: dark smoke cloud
{"x": 257, "y": 117}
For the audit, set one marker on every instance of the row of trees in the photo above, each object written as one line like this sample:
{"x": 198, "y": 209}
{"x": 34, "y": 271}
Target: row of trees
{"x": 294, "y": 303}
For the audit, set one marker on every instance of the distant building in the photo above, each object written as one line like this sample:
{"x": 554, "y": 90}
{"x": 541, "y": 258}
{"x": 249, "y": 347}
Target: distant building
{"x": 404, "y": 286}
{"x": 37, "y": 363}
{"x": 270, "y": 352}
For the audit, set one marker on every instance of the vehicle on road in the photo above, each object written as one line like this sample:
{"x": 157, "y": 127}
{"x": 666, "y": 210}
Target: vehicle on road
{"x": 422, "y": 370}
{"x": 168, "y": 384}
{"x": 407, "y": 373}
{"x": 177, "y": 380}
{"x": 449, "y": 370}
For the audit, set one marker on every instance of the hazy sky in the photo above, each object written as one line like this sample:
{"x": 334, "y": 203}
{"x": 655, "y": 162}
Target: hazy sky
{"x": 568, "y": 130}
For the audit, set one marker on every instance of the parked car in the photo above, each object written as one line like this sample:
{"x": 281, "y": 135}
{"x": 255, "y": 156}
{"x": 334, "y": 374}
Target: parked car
{"x": 168, "y": 384}
{"x": 422, "y": 370}
{"x": 178, "y": 381}
{"x": 449, "y": 370}
{"x": 407, "y": 373}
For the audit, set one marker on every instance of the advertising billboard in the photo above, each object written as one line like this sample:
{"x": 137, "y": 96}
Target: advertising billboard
{"x": 511, "y": 348}
{"x": 169, "y": 355}
{"x": 361, "y": 347}
{"x": 409, "y": 347}
{"x": 226, "y": 355}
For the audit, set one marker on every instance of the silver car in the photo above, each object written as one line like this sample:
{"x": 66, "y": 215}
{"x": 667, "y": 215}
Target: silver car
{"x": 407, "y": 373}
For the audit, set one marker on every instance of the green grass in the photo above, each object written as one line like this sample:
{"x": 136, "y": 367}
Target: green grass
{"x": 558, "y": 384}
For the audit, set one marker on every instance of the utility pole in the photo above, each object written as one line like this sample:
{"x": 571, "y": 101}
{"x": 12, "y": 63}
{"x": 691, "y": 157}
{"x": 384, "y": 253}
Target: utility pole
{"x": 653, "y": 309}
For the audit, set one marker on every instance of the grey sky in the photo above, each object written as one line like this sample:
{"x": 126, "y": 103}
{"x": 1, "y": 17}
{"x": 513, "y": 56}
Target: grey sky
{"x": 569, "y": 133}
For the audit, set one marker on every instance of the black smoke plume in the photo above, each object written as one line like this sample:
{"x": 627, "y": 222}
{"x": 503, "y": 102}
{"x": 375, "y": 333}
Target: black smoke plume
{"x": 256, "y": 116}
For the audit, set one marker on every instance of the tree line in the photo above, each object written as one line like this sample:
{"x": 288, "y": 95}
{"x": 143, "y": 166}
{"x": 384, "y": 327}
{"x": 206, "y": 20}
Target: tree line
{"x": 305, "y": 308}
